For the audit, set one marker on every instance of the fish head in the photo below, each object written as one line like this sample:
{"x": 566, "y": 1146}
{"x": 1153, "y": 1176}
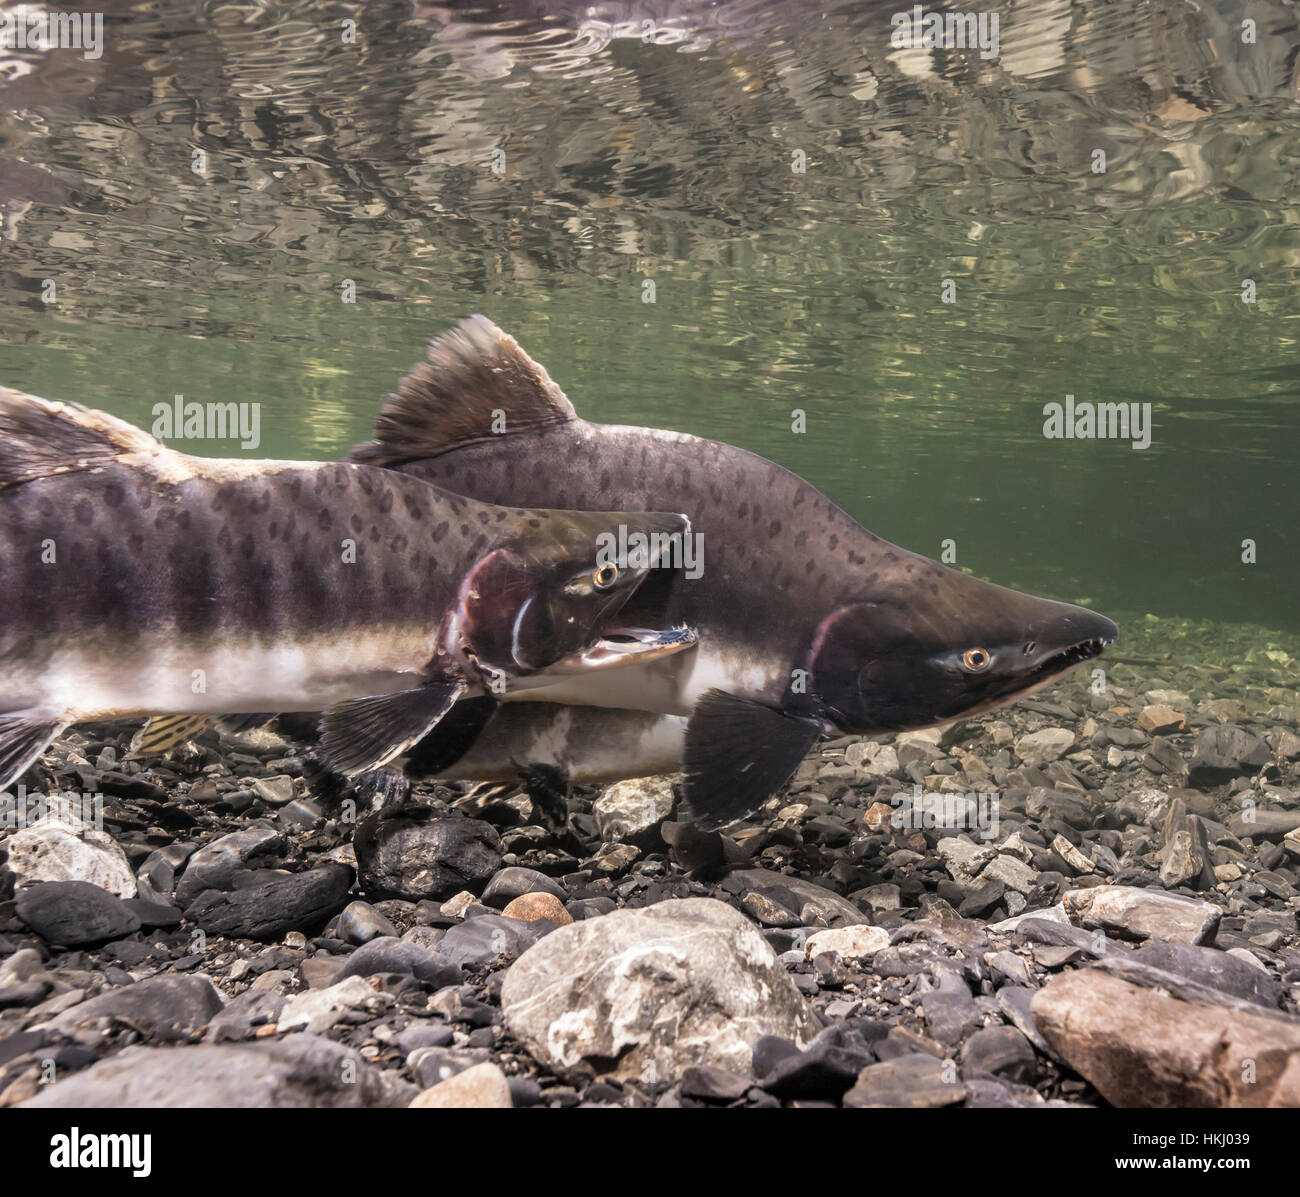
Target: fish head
{"x": 940, "y": 646}
{"x": 587, "y": 591}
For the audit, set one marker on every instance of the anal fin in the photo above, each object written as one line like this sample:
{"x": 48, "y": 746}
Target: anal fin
{"x": 365, "y": 733}
{"x": 162, "y": 732}
{"x": 738, "y": 754}
{"x": 24, "y": 735}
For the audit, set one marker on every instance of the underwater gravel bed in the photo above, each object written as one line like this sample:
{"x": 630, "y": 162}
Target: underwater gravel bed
{"x": 1125, "y": 933}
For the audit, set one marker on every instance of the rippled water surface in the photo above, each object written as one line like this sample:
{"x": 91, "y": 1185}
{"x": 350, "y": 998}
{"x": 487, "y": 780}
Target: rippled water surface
{"x": 542, "y": 163}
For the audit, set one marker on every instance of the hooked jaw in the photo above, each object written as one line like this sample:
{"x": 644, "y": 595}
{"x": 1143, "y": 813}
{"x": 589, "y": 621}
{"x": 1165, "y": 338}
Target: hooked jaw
{"x": 623, "y": 646}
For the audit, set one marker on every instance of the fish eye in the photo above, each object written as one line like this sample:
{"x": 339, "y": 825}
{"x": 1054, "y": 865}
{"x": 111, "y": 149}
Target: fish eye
{"x": 605, "y": 576}
{"x": 976, "y": 660}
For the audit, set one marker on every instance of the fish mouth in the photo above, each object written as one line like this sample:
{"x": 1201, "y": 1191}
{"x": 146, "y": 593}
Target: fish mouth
{"x": 626, "y": 645}
{"x": 1046, "y": 672}
{"x": 1066, "y": 658}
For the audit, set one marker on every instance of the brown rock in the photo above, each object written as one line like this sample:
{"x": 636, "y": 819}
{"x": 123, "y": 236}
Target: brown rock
{"x": 482, "y": 1087}
{"x": 1142, "y": 1048}
{"x": 1160, "y": 721}
{"x": 531, "y": 908}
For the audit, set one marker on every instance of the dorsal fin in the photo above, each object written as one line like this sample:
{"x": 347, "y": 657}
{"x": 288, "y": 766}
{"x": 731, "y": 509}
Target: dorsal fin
{"x": 448, "y": 400}
{"x": 40, "y": 439}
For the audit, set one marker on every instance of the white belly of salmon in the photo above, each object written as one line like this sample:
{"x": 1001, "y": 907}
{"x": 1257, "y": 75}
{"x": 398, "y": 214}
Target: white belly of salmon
{"x": 292, "y": 675}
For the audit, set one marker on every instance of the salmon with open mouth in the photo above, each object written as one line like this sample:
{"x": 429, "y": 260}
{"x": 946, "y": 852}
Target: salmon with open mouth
{"x": 137, "y": 579}
{"x": 808, "y": 624}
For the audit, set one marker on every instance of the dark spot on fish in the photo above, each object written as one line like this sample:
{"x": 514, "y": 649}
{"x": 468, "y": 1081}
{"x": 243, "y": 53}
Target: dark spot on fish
{"x": 247, "y": 546}
{"x": 386, "y": 501}
{"x": 774, "y": 528}
{"x": 833, "y": 542}
{"x": 114, "y": 494}
{"x": 46, "y": 506}
{"x": 464, "y": 530}
{"x": 439, "y": 532}
{"x": 534, "y": 522}
{"x": 502, "y": 514}
{"x": 295, "y": 486}
{"x": 365, "y": 481}
{"x": 911, "y": 569}
{"x": 604, "y": 480}
{"x": 84, "y": 512}
{"x": 798, "y": 498}
{"x": 742, "y": 511}
{"x": 934, "y": 588}
{"x": 324, "y": 520}
{"x": 355, "y": 523}
{"x": 183, "y": 518}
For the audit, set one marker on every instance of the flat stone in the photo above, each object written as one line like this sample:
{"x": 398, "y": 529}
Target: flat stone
{"x": 1040, "y": 747}
{"x": 1142, "y": 1048}
{"x": 915, "y": 1081}
{"x": 1143, "y": 914}
{"x": 295, "y": 1072}
{"x": 172, "y": 1003}
{"x": 70, "y": 913}
{"x": 317, "y": 1010}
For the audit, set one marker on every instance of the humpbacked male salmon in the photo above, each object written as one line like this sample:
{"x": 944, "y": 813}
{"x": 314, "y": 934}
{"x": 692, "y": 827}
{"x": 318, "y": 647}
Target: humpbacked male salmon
{"x": 808, "y": 624}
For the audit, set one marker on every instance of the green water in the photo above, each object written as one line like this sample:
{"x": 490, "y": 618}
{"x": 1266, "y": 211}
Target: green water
{"x": 670, "y": 159}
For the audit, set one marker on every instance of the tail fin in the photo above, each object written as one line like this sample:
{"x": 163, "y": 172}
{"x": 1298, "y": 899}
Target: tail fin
{"x": 40, "y": 439}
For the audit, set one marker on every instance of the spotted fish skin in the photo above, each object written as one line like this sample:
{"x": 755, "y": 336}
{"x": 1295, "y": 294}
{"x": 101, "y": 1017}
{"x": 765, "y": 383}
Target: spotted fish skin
{"x": 138, "y": 580}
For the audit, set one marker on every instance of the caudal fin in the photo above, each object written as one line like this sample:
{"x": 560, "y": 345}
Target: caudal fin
{"x": 24, "y": 735}
{"x": 40, "y": 439}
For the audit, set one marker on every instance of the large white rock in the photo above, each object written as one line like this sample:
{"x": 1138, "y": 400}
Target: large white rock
{"x": 632, "y": 808}
{"x": 642, "y": 994}
{"x": 63, "y": 848}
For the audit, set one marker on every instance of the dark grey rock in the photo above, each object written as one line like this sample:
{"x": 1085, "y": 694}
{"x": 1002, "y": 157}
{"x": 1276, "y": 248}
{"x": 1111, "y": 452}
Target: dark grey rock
{"x": 243, "y": 1014}
{"x": 1002, "y": 1052}
{"x": 510, "y": 883}
{"x": 1224, "y": 751}
{"x": 175, "y": 1003}
{"x": 298, "y": 902}
{"x": 416, "y": 855}
{"x": 360, "y": 922}
{"x": 389, "y": 955}
{"x": 70, "y": 913}
{"x": 214, "y": 865}
{"x": 1210, "y": 966}
{"x": 295, "y": 1071}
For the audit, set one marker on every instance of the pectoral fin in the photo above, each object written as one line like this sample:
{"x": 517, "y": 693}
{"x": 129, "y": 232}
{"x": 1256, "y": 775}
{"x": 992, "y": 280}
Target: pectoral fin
{"x": 364, "y": 733}
{"x": 24, "y": 735}
{"x": 738, "y": 754}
